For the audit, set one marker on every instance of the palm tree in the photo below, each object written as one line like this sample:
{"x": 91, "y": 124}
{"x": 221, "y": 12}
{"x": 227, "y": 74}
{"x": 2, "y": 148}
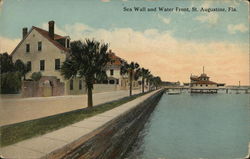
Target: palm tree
{"x": 86, "y": 60}
{"x": 21, "y": 67}
{"x": 156, "y": 82}
{"x": 144, "y": 73}
{"x": 132, "y": 70}
{"x": 149, "y": 80}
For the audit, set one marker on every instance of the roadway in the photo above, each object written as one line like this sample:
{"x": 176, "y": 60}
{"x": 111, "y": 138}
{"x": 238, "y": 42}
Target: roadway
{"x": 14, "y": 110}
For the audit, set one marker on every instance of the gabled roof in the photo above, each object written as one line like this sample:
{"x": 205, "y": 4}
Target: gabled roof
{"x": 204, "y": 82}
{"x": 116, "y": 61}
{"x": 203, "y": 75}
{"x": 56, "y": 37}
{"x": 45, "y": 34}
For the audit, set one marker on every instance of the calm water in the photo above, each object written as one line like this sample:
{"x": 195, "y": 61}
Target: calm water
{"x": 196, "y": 127}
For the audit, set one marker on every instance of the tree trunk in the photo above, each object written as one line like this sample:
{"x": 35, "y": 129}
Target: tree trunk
{"x": 90, "y": 99}
{"x": 89, "y": 86}
{"x": 130, "y": 83}
{"x": 142, "y": 84}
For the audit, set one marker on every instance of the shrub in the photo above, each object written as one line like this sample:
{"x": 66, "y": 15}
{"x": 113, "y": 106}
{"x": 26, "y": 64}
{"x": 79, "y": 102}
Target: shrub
{"x": 6, "y": 64}
{"x": 36, "y": 76}
{"x": 11, "y": 74}
{"x": 10, "y": 82}
{"x": 21, "y": 67}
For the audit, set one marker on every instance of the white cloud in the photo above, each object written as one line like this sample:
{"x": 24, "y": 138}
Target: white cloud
{"x": 163, "y": 19}
{"x": 74, "y": 31}
{"x": 210, "y": 18}
{"x": 7, "y": 44}
{"x": 232, "y": 29}
{"x": 171, "y": 58}
{"x": 105, "y": 0}
{"x": 1, "y": 5}
{"x": 165, "y": 55}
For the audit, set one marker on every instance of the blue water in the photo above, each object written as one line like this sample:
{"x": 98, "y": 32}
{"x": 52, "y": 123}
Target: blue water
{"x": 201, "y": 126}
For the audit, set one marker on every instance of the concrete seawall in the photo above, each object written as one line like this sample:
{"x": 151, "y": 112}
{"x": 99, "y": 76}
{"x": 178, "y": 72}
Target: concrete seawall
{"x": 105, "y": 136}
{"x": 115, "y": 138}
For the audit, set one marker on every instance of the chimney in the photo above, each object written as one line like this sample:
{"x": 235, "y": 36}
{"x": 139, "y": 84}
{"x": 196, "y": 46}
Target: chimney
{"x": 51, "y": 29}
{"x": 25, "y": 32}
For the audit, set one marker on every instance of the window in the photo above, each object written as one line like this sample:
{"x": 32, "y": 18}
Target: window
{"x": 111, "y": 72}
{"x": 67, "y": 43}
{"x": 111, "y": 82}
{"x": 57, "y": 64}
{"x": 42, "y": 65}
{"x": 117, "y": 81}
{"x": 27, "y": 47}
{"x": 71, "y": 84}
{"x": 39, "y": 46}
{"x": 201, "y": 85}
{"x": 29, "y": 66}
{"x": 80, "y": 84}
{"x": 206, "y": 85}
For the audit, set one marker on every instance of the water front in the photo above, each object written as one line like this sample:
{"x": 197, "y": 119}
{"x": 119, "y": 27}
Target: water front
{"x": 207, "y": 126}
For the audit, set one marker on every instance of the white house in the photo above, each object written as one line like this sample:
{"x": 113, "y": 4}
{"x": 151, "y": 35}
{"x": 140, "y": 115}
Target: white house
{"x": 44, "y": 51}
{"x": 202, "y": 84}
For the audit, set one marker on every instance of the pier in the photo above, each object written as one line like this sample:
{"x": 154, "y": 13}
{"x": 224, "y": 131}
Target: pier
{"x": 227, "y": 89}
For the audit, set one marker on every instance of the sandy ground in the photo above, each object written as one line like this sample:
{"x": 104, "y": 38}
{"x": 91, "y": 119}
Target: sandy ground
{"x": 13, "y": 110}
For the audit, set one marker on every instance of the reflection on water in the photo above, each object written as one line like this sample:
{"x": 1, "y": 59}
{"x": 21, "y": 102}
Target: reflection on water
{"x": 207, "y": 126}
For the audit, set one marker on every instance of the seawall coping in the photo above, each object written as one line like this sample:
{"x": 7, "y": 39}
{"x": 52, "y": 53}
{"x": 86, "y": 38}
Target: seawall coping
{"x": 42, "y": 146}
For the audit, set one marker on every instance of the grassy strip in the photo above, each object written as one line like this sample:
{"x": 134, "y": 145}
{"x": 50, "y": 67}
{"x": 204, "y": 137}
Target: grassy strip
{"x": 14, "y": 133}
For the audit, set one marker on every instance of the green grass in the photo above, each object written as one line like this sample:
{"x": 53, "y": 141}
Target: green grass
{"x": 14, "y": 133}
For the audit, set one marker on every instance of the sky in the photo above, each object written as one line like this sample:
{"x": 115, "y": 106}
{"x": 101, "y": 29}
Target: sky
{"x": 172, "y": 45}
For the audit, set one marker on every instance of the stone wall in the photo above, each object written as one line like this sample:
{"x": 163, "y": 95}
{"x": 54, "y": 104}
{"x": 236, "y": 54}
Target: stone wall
{"x": 114, "y": 139}
{"x": 46, "y": 86}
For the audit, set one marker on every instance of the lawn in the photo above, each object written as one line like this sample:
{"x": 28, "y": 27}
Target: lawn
{"x": 14, "y": 133}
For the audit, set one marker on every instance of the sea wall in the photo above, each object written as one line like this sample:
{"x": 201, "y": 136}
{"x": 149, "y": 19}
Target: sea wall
{"x": 113, "y": 139}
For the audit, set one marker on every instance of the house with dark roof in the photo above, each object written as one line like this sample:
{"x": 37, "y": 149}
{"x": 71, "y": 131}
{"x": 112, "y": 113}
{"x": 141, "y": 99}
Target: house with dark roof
{"x": 44, "y": 51}
{"x": 113, "y": 71}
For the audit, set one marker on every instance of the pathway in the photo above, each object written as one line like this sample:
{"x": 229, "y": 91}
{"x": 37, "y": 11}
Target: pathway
{"x": 22, "y": 109}
{"x": 61, "y": 141}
